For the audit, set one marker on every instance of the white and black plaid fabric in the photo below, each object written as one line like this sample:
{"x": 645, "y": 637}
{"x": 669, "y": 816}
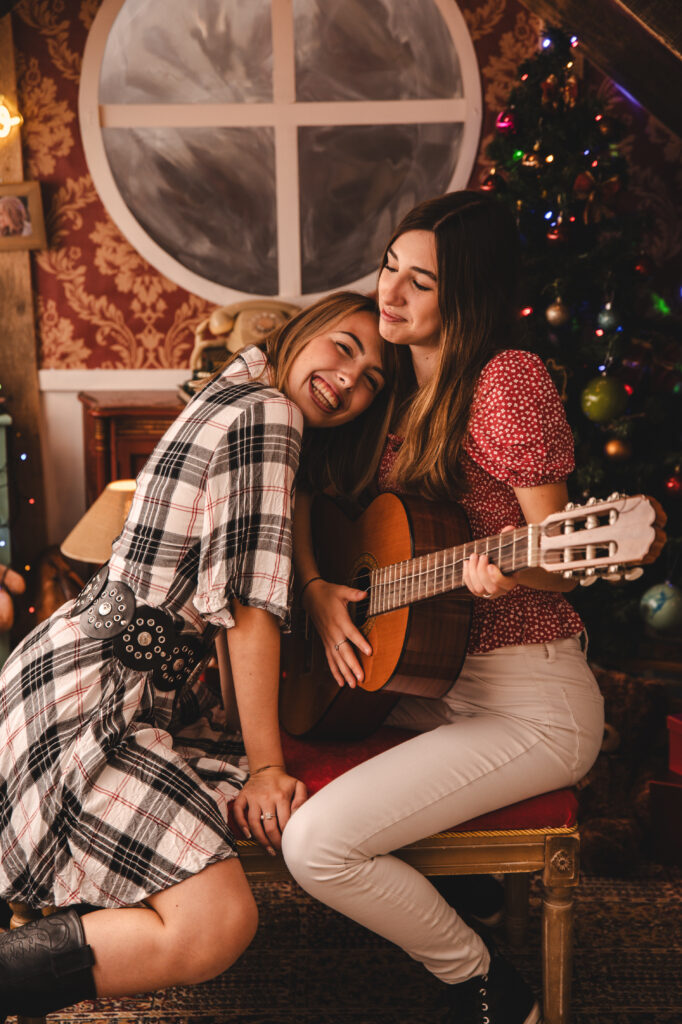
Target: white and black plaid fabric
{"x": 111, "y": 790}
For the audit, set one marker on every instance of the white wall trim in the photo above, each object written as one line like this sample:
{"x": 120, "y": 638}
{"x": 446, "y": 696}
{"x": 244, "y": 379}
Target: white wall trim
{"x": 111, "y": 380}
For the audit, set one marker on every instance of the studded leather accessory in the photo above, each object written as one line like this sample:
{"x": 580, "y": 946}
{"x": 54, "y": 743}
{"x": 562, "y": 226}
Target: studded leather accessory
{"x": 147, "y": 640}
{"x": 181, "y": 662}
{"x": 110, "y": 612}
{"x": 90, "y": 591}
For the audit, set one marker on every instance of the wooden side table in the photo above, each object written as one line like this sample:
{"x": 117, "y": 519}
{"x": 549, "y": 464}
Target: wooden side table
{"x": 120, "y": 430}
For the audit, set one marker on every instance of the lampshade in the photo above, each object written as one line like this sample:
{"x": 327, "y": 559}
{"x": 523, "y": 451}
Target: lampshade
{"x": 92, "y": 536}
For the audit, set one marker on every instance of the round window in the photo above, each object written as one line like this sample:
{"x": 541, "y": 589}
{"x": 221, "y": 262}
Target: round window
{"x": 268, "y": 149}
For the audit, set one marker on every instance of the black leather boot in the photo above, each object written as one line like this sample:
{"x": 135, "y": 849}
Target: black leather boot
{"x": 45, "y": 966}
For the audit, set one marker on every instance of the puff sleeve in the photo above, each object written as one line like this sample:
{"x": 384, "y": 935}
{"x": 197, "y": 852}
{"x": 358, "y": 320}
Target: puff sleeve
{"x": 518, "y": 430}
{"x": 246, "y": 538}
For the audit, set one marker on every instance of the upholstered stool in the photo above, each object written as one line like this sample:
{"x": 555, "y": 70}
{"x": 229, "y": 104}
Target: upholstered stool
{"x": 539, "y": 834}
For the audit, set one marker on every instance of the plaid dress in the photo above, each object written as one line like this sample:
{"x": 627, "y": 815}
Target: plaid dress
{"x": 111, "y": 789}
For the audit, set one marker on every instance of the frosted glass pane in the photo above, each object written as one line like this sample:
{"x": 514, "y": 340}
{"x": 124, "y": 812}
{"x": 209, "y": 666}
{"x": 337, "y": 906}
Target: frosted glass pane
{"x": 373, "y": 50}
{"x": 189, "y": 51}
{"x": 355, "y": 185}
{"x": 206, "y": 196}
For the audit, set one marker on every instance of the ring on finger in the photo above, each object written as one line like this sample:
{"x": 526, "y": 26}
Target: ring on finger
{"x": 267, "y": 816}
{"x": 344, "y": 641}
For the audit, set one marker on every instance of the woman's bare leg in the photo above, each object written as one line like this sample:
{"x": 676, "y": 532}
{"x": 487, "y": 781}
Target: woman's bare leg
{"x": 186, "y": 934}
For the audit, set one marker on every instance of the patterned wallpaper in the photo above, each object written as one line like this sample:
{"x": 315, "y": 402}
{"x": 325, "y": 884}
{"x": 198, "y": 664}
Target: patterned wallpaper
{"x": 100, "y": 305}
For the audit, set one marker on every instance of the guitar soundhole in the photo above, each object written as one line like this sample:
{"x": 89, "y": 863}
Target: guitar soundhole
{"x": 359, "y": 611}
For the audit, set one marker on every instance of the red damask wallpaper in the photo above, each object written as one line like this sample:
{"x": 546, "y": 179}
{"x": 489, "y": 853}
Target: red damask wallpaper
{"x": 100, "y": 305}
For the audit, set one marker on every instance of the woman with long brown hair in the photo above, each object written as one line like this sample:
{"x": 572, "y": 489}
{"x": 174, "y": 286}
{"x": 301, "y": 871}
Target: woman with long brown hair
{"x": 477, "y": 421}
{"x": 116, "y": 769}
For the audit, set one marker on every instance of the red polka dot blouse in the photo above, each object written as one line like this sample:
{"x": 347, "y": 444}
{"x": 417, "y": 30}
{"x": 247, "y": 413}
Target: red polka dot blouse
{"x": 518, "y": 437}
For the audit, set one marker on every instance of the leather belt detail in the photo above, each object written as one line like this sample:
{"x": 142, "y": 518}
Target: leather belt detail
{"x": 182, "y": 661}
{"x": 145, "y": 638}
{"x": 110, "y": 612}
{"x": 90, "y": 591}
{"x": 147, "y": 641}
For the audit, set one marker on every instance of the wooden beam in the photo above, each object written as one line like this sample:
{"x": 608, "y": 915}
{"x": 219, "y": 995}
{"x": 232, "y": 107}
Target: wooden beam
{"x": 637, "y": 43}
{"x": 19, "y": 365}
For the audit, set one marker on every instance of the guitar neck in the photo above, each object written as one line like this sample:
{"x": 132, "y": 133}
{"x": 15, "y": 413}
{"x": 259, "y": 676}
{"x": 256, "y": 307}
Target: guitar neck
{"x": 438, "y": 572}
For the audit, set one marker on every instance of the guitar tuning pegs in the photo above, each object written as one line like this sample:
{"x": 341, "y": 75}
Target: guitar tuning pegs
{"x": 588, "y": 580}
{"x": 567, "y": 574}
{"x": 613, "y": 577}
{"x": 591, "y": 501}
{"x": 634, "y": 574}
{"x": 615, "y": 496}
{"x": 567, "y": 508}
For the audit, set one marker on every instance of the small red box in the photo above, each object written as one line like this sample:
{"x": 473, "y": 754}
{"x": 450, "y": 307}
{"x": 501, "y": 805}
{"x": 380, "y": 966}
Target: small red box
{"x": 675, "y": 741}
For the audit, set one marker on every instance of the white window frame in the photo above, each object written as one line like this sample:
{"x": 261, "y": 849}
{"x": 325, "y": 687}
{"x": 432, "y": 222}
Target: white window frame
{"x": 284, "y": 115}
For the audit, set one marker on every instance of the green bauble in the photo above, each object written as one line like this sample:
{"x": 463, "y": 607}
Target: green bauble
{"x": 661, "y": 607}
{"x": 603, "y": 399}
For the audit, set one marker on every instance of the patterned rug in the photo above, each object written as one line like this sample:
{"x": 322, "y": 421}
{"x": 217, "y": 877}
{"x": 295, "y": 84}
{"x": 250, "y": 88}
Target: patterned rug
{"x": 308, "y": 965}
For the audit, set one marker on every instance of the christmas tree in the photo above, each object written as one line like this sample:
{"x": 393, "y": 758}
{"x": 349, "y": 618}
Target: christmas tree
{"x": 592, "y": 311}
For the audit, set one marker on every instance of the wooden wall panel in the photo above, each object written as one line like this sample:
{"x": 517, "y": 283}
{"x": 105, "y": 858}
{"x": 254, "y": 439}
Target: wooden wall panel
{"x": 18, "y": 365}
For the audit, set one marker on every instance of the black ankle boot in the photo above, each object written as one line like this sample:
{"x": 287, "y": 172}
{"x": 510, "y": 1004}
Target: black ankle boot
{"x": 499, "y": 997}
{"x": 45, "y": 966}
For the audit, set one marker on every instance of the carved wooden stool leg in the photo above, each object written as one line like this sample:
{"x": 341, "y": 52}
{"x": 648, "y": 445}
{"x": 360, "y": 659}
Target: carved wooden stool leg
{"x": 23, "y": 914}
{"x": 559, "y": 881}
{"x": 516, "y": 888}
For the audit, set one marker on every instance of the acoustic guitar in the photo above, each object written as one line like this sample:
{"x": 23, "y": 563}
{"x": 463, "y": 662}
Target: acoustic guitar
{"x": 408, "y": 555}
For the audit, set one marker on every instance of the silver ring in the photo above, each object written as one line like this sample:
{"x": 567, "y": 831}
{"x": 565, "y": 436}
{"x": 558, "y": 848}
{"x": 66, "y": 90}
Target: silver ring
{"x": 267, "y": 817}
{"x": 344, "y": 641}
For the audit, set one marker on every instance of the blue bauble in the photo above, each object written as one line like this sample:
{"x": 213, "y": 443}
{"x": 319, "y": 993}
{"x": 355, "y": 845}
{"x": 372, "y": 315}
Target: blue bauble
{"x": 661, "y": 607}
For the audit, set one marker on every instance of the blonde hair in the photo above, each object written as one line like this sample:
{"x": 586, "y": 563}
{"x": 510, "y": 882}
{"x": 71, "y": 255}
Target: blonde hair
{"x": 346, "y": 458}
{"x": 477, "y": 257}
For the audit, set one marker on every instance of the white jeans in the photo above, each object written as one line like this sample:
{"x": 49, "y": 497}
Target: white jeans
{"x": 519, "y": 721}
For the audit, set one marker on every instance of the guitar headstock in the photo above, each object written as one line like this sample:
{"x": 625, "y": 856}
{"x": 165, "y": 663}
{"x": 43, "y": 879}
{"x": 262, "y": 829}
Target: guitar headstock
{"x": 608, "y": 539}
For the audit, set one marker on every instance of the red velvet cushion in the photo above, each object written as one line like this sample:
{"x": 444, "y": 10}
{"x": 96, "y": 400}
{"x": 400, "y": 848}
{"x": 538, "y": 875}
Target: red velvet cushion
{"x": 317, "y": 762}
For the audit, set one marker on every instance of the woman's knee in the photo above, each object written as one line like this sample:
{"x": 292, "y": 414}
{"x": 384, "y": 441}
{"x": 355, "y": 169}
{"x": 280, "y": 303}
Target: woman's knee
{"x": 208, "y": 921}
{"x": 308, "y": 847}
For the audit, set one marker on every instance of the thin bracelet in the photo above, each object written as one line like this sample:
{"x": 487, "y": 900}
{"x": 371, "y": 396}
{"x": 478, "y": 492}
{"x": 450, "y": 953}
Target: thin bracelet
{"x": 311, "y": 580}
{"x": 264, "y": 768}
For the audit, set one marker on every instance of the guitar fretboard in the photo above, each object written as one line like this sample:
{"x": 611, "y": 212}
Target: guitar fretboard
{"x": 403, "y": 583}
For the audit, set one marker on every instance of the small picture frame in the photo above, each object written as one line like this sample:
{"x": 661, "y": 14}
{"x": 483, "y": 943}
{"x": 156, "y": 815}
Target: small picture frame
{"x": 21, "y": 217}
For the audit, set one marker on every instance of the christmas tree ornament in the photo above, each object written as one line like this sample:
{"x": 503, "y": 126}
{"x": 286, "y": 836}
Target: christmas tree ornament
{"x": 558, "y": 314}
{"x": 606, "y": 318}
{"x": 506, "y": 122}
{"x": 617, "y": 449}
{"x": 550, "y": 91}
{"x": 569, "y": 90}
{"x": 603, "y": 399}
{"x": 661, "y": 607}
{"x": 493, "y": 182}
{"x": 530, "y": 163}
{"x": 583, "y": 185}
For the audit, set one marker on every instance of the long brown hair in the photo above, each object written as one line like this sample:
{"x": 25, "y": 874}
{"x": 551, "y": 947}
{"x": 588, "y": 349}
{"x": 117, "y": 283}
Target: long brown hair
{"x": 346, "y": 457}
{"x": 477, "y": 253}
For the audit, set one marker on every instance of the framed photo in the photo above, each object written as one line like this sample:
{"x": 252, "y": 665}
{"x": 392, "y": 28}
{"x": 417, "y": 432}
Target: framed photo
{"x": 21, "y": 217}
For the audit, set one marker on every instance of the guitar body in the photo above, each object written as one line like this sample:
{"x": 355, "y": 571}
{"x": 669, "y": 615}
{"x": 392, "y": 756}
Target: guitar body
{"x": 417, "y": 649}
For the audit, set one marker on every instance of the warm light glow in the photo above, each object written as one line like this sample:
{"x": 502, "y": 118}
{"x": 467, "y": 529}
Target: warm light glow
{"x": 7, "y": 120}
{"x": 549, "y": 159}
{"x": 526, "y": 311}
